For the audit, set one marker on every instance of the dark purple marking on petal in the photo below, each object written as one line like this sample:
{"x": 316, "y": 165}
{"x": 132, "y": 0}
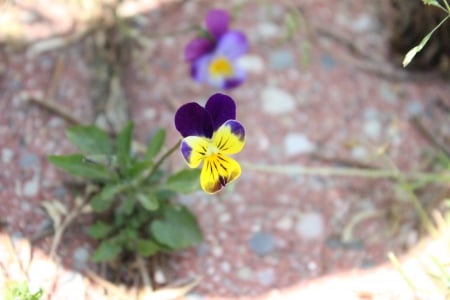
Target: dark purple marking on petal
{"x": 232, "y": 83}
{"x": 198, "y": 47}
{"x": 221, "y": 108}
{"x": 217, "y": 21}
{"x": 186, "y": 151}
{"x": 233, "y": 44}
{"x": 236, "y": 128}
{"x": 193, "y": 119}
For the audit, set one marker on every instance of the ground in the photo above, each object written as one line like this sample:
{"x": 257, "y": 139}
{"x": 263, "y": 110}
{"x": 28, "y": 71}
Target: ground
{"x": 316, "y": 95}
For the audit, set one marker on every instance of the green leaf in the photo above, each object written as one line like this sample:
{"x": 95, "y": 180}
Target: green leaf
{"x": 99, "y": 230}
{"x": 124, "y": 140}
{"x": 148, "y": 201}
{"x": 127, "y": 206}
{"x": 155, "y": 144}
{"x": 147, "y": 247}
{"x": 90, "y": 139}
{"x": 76, "y": 165}
{"x": 103, "y": 200}
{"x": 433, "y": 3}
{"x": 179, "y": 228}
{"x": 106, "y": 251}
{"x": 411, "y": 53}
{"x": 184, "y": 181}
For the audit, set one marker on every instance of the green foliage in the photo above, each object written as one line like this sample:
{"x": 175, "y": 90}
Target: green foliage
{"x": 178, "y": 229}
{"x": 21, "y": 290}
{"x": 134, "y": 207}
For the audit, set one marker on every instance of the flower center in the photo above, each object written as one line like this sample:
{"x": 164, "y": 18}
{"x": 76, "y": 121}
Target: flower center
{"x": 220, "y": 67}
{"x": 212, "y": 149}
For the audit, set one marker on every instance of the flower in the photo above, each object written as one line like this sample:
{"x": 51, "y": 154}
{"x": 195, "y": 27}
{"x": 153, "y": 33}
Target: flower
{"x": 214, "y": 57}
{"x": 210, "y": 134}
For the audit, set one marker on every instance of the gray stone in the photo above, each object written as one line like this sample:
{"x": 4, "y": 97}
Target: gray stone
{"x": 297, "y": 143}
{"x": 80, "y": 257}
{"x": 281, "y": 59}
{"x": 31, "y": 187}
{"x": 266, "y": 277}
{"x": 28, "y": 160}
{"x": 277, "y": 101}
{"x": 262, "y": 243}
{"x": 194, "y": 296}
{"x": 387, "y": 94}
{"x": 414, "y": 108}
{"x": 328, "y": 62}
{"x": 310, "y": 226}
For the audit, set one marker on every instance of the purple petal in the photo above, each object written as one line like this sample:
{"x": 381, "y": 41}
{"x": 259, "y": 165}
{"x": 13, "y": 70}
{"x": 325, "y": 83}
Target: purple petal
{"x": 191, "y": 119}
{"x": 233, "y": 44}
{"x": 221, "y": 108}
{"x": 199, "y": 68}
{"x": 217, "y": 21}
{"x": 236, "y": 80}
{"x": 197, "y": 47}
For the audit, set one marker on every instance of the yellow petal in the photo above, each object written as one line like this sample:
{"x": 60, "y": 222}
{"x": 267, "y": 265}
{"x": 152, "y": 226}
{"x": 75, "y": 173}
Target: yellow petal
{"x": 194, "y": 149}
{"x": 230, "y": 137}
{"x": 218, "y": 170}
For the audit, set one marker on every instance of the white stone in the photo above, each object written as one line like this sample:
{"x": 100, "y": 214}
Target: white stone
{"x": 268, "y": 30}
{"x": 284, "y": 224}
{"x": 310, "y": 226}
{"x": 7, "y": 155}
{"x": 372, "y": 128}
{"x": 277, "y": 101}
{"x": 297, "y": 143}
{"x": 31, "y": 187}
{"x": 251, "y": 63}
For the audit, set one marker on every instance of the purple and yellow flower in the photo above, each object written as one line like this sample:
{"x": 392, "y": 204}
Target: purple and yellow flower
{"x": 210, "y": 134}
{"x": 214, "y": 57}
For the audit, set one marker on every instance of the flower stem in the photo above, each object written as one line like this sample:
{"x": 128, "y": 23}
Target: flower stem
{"x": 164, "y": 157}
{"x": 347, "y": 172}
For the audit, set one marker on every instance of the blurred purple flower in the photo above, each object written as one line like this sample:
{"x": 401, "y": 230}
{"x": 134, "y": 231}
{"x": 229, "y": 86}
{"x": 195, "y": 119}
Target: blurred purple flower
{"x": 214, "y": 56}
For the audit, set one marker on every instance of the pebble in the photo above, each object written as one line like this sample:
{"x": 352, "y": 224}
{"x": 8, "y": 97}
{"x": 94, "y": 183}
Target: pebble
{"x": 266, "y": 277}
{"x": 359, "y": 152}
{"x": 362, "y": 23}
{"x": 297, "y": 143}
{"x": 414, "y": 108}
{"x": 202, "y": 249}
{"x": 28, "y": 160}
{"x": 225, "y": 267}
{"x": 245, "y": 274}
{"x": 310, "y": 226}
{"x": 194, "y": 296}
{"x": 80, "y": 257}
{"x": 252, "y": 63}
{"x": 262, "y": 243}
{"x": 31, "y": 187}
{"x": 387, "y": 93}
{"x": 7, "y": 155}
{"x": 328, "y": 62}
{"x": 267, "y": 30}
{"x": 281, "y": 59}
{"x": 372, "y": 128}
{"x": 277, "y": 101}
{"x": 284, "y": 224}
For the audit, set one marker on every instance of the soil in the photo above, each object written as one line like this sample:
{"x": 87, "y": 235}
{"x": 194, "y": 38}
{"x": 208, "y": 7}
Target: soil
{"x": 319, "y": 93}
